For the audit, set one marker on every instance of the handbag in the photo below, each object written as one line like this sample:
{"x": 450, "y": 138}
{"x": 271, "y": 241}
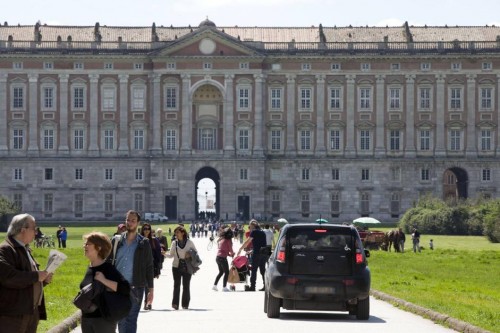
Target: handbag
{"x": 183, "y": 268}
{"x": 233, "y": 277}
{"x": 115, "y": 305}
{"x": 87, "y": 298}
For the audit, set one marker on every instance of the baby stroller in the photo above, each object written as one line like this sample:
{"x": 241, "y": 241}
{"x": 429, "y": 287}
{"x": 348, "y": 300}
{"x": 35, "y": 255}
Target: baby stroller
{"x": 239, "y": 271}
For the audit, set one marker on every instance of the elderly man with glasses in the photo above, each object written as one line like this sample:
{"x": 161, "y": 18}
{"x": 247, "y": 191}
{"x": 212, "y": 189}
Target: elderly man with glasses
{"x": 22, "y": 302}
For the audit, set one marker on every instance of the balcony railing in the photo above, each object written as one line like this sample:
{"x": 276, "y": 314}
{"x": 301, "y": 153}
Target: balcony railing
{"x": 453, "y": 47}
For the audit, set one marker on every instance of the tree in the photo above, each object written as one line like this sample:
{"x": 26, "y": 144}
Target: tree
{"x": 7, "y": 207}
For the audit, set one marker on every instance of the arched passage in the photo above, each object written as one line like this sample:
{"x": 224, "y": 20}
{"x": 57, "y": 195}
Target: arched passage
{"x": 455, "y": 183}
{"x": 211, "y": 173}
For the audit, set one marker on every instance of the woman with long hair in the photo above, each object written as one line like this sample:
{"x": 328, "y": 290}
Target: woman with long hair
{"x": 156, "y": 250}
{"x": 179, "y": 250}
{"x": 225, "y": 249}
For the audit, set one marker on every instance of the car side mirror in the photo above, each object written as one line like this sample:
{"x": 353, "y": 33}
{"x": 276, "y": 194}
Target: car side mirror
{"x": 367, "y": 253}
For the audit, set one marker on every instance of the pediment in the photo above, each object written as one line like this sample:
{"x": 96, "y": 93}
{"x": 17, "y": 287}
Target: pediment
{"x": 207, "y": 42}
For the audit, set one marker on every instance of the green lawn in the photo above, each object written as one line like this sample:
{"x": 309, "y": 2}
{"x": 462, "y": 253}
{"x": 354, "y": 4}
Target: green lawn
{"x": 461, "y": 277}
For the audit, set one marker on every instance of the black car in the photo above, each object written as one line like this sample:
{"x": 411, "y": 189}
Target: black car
{"x": 319, "y": 267}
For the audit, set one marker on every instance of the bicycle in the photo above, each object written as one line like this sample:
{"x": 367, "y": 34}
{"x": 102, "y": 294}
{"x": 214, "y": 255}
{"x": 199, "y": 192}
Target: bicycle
{"x": 211, "y": 243}
{"x": 48, "y": 241}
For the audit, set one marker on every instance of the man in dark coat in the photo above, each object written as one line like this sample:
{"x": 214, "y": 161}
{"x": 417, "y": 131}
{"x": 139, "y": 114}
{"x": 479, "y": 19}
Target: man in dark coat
{"x": 22, "y": 303}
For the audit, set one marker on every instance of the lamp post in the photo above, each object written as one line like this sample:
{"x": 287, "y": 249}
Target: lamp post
{"x": 206, "y": 201}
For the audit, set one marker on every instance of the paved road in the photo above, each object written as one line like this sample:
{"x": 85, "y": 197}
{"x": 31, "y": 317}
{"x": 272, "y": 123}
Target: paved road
{"x": 242, "y": 312}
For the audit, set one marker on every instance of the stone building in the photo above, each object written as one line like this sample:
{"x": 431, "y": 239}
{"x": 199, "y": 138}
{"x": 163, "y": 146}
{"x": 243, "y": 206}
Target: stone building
{"x": 301, "y": 123}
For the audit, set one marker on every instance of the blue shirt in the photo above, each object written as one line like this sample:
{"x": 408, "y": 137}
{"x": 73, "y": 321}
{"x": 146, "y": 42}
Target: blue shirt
{"x": 125, "y": 259}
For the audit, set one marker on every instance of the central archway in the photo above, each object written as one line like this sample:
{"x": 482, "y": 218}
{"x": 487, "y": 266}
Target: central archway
{"x": 211, "y": 173}
{"x": 455, "y": 183}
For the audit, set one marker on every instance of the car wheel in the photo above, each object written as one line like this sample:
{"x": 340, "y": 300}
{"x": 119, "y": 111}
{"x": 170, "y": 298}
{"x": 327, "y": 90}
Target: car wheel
{"x": 265, "y": 302}
{"x": 273, "y": 306}
{"x": 363, "y": 309}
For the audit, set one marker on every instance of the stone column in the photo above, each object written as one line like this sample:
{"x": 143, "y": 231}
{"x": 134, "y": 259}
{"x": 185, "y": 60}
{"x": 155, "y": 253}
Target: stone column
{"x": 64, "y": 112}
{"x": 257, "y": 147}
{"x": 33, "y": 147}
{"x": 410, "y": 116}
{"x": 380, "y": 133}
{"x": 4, "y": 130}
{"x": 94, "y": 114}
{"x": 156, "y": 110}
{"x": 229, "y": 115}
{"x": 350, "y": 104}
{"x": 440, "y": 132}
{"x": 320, "y": 115}
{"x": 123, "y": 145}
{"x": 470, "y": 109}
{"x": 290, "y": 115}
{"x": 497, "y": 141}
{"x": 186, "y": 116}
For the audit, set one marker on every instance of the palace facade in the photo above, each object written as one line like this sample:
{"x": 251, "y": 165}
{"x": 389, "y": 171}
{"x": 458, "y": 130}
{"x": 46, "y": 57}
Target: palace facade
{"x": 301, "y": 123}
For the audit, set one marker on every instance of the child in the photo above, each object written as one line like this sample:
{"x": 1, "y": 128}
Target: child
{"x": 431, "y": 244}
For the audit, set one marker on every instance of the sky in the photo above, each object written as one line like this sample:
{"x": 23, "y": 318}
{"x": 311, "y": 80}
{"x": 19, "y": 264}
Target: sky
{"x": 250, "y": 13}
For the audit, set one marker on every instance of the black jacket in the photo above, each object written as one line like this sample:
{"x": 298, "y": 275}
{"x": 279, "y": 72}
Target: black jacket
{"x": 143, "y": 271}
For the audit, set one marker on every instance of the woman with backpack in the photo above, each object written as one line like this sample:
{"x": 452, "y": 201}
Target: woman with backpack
{"x": 225, "y": 249}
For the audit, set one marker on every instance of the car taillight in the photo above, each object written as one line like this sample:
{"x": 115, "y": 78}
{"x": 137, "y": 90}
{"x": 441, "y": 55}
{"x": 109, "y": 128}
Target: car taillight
{"x": 319, "y": 230}
{"x": 281, "y": 256}
{"x": 359, "y": 258}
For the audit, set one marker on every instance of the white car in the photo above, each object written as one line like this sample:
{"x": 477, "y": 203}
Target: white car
{"x": 155, "y": 217}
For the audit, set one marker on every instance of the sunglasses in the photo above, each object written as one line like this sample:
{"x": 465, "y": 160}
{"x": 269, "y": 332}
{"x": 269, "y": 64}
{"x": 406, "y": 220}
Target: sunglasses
{"x": 146, "y": 229}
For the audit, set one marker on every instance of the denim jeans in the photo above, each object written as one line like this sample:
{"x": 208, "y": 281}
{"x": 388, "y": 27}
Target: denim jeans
{"x": 129, "y": 323}
{"x": 223, "y": 270}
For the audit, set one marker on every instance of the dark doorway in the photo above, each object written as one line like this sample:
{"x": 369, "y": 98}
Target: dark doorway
{"x": 455, "y": 184}
{"x": 211, "y": 173}
{"x": 243, "y": 207}
{"x": 171, "y": 207}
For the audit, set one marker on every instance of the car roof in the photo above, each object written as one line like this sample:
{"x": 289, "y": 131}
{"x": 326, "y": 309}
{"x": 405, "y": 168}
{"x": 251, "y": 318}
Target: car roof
{"x": 318, "y": 225}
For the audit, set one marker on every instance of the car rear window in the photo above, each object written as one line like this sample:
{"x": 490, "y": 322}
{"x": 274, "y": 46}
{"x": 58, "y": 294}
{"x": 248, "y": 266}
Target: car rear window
{"x": 320, "y": 238}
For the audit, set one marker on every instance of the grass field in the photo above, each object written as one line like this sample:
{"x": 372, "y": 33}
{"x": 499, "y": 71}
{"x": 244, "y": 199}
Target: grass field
{"x": 461, "y": 277}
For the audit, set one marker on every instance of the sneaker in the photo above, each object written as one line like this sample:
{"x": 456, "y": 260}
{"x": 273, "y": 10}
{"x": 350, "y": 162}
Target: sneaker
{"x": 214, "y": 288}
{"x": 225, "y": 289}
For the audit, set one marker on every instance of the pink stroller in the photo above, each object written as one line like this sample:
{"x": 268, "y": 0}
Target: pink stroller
{"x": 241, "y": 267}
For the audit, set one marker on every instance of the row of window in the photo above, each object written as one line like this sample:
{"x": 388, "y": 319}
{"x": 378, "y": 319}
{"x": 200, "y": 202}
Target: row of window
{"x": 207, "y": 139}
{"x": 79, "y": 100}
{"x": 79, "y": 203}
{"x": 424, "y": 66}
{"x": 335, "y": 203}
{"x": 49, "y": 65}
{"x": 108, "y": 174}
{"x": 336, "y": 98}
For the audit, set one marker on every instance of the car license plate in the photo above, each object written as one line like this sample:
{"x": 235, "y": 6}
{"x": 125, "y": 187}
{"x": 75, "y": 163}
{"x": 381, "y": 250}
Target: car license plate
{"x": 320, "y": 290}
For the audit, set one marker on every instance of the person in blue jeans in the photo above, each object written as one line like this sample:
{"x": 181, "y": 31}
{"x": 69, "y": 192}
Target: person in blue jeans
{"x": 134, "y": 260}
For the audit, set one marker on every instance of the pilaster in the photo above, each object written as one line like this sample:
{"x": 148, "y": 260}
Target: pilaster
{"x": 186, "y": 145}
{"x": 229, "y": 115}
{"x": 440, "y": 108}
{"x": 350, "y": 103}
{"x": 290, "y": 115}
{"x": 156, "y": 110}
{"x": 63, "y": 107}
{"x": 320, "y": 115}
{"x": 123, "y": 146}
{"x": 380, "y": 133}
{"x": 4, "y": 130}
{"x": 470, "y": 109}
{"x": 33, "y": 148}
{"x": 94, "y": 114}
{"x": 410, "y": 150}
{"x": 259, "y": 91}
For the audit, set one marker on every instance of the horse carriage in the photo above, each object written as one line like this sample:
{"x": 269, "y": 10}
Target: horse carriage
{"x": 372, "y": 239}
